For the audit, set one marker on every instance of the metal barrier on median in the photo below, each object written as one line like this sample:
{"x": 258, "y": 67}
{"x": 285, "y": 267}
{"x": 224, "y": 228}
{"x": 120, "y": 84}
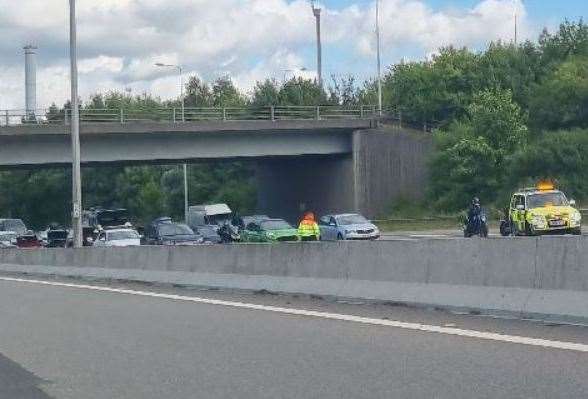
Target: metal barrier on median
{"x": 180, "y": 115}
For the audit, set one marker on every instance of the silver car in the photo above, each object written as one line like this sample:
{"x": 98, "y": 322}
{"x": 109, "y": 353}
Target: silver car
{"x": 348, "y": 226}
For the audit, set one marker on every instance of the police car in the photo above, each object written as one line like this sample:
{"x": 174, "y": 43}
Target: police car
{"x": 541, "y": 210}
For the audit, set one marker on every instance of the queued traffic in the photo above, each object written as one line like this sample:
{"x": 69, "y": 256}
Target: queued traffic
{"x": 206, "y": 224}
{"x": 532, "y": 211}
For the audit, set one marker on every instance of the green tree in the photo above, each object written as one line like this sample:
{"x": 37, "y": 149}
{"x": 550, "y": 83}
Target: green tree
{"x": 225, "y": 94}
{"x": 561, "y": 101}
{"x": 434, "y": 91}
{"x": 198, "y": 93}
{"x": 266, "y": 93}
{"x": 495, "y": 116}
{"x": 561, "y": 156}
{"x": 570, "y": 40}
{"x": 473, "y": 153}
{"x": 299, "y": 91}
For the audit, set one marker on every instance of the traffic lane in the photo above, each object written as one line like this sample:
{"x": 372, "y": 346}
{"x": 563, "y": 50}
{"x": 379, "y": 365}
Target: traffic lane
{"x": 385, "y": 310}
{"x": 103, "y": 345}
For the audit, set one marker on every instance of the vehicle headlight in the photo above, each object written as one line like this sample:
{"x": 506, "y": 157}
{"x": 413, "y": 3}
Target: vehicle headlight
{"x": 576, "y": 217}
{"x": 271, "y": 235}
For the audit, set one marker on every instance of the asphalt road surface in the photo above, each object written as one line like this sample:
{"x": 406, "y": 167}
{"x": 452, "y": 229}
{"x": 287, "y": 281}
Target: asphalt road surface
{"x": 76, "y": 342}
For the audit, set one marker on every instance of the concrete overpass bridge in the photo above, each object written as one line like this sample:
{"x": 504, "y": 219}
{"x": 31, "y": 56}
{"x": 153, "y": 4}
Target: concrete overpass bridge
{"x": 327, "y": 159}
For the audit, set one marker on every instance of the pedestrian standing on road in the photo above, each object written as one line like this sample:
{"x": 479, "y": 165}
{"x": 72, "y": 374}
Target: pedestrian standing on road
{"x": 308, "y": 230}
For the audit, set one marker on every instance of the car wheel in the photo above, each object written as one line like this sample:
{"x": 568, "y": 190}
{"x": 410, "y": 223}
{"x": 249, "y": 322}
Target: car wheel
{"x": 484, "y": 231}
{"x": 577, "y": 232}
{"x": 506, "y": 229}
{"x": 529, "y": 230}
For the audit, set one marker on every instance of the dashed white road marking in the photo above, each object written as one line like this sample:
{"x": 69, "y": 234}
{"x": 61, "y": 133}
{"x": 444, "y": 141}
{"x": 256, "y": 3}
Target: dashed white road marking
{"x": 537, "y": 342}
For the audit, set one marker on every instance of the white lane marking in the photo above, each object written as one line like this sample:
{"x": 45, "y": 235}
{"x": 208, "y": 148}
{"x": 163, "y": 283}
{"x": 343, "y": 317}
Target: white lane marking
{"x": 544, "y": 343}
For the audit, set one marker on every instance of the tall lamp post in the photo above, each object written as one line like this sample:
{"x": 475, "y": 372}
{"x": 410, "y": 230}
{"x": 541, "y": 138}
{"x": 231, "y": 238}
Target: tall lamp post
{"x": 516, "y": 21}
{"x": 316, "y": 10}
{"x": 180, "y": 71}
{"x": 75, "y": 131}
{"x": 379, "y": 58}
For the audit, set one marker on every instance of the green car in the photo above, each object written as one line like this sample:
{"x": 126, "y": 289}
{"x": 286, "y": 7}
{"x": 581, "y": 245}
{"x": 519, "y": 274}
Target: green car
{"x": 269, "y": 230}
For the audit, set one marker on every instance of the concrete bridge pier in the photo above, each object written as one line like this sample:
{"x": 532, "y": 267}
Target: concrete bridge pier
{"x": 383, "y": 166}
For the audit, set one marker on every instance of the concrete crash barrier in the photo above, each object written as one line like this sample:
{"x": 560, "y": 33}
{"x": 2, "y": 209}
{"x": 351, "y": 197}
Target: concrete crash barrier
{"x": 543, "y": 277}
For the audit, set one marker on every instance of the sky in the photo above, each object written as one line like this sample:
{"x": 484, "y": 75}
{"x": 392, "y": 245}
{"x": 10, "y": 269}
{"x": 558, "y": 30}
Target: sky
{"x": 119, "y": 41}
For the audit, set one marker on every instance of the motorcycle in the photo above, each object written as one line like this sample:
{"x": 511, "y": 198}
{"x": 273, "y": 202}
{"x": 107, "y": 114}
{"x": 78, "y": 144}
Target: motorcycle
{"x": 477, "y": 225}
{"x": 506, "y": 225}
{"x": 229, "y": 233}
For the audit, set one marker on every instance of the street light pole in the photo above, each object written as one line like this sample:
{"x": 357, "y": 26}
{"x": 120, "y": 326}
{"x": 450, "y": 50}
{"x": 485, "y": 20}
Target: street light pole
{"x": 319, "y": 50}
{"x": 186, "y": 204}
{"x": 75, "y": 131}
{"x": 181, "y": 74}
{"x": 185, "y": 166}
{"x": 516, "y": 21}
{"x": 379, "y": 58}
{"x": 182, "y": 93}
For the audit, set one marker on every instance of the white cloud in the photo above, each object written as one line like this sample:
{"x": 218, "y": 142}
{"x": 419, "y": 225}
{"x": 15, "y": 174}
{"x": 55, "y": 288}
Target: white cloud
{"x": 413, "y": 23}
{"x": 120, "y": 40}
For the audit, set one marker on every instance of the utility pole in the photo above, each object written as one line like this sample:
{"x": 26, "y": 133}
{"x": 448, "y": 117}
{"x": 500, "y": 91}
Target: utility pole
{"x": 186, "y": 204}
{"x": 515, "y": 4}
{"x": 30, "y": 83}
{"x": 379, "y": 58}
{"x": 319, "y": 51}
{"x": 183, "y": 99}
{"x": 516, "y": 29}
{"x": 75, "y": 131}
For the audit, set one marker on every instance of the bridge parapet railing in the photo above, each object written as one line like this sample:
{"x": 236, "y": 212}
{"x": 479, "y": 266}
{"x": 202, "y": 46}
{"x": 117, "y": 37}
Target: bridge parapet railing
{"x": 188, "y": 114}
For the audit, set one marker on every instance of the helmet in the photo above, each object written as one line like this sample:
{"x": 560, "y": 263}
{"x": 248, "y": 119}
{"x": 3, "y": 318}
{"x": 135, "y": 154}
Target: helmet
{"x": 476, "y": 201}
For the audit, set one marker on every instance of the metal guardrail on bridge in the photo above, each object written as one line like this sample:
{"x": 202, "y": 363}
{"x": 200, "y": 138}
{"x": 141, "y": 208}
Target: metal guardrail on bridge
{"x": 179, "y": 115}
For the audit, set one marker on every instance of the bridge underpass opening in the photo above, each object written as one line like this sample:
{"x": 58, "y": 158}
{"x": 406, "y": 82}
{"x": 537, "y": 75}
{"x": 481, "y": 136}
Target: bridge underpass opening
{"x": 290, "y": 186}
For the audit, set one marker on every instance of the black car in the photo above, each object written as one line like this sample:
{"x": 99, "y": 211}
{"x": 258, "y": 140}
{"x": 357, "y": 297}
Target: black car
{"x": 209, "y": 233}
{"x": 58, "y": 238}
{"x": 243, "y": 221}
{"x": 164, "y": 231}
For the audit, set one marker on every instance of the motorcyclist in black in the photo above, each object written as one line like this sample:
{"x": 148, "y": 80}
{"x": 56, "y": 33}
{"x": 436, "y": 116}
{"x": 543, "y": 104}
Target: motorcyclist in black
{"x": 475, "y": 209}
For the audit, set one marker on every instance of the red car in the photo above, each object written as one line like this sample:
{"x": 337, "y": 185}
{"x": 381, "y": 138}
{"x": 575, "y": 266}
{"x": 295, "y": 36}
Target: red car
{"x": 28, "y": 241}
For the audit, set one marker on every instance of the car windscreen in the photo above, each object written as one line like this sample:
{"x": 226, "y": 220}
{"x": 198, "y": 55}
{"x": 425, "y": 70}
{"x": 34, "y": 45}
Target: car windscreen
{"x": 112, "y": 218}
{"x": 219, "y": 219}
{"x": 351, "y": 219}
{"x": 7, "y": 237}
{"x": 275, "y": 225}
{"x": 123, "y": 235}
{"x": 15, "y": 225}
{"x": 167, "y": 230}
{"x": 546, "y": 199}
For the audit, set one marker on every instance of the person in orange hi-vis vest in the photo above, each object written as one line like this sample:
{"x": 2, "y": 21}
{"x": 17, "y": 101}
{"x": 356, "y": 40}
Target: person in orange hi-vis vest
{"x": 308, "y": 230}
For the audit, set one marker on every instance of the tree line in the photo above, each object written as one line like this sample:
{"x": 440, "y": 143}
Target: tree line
{"x": 503, "y": 117}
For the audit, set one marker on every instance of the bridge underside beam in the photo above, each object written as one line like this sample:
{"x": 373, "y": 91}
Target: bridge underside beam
{"x": 54, "y": 150}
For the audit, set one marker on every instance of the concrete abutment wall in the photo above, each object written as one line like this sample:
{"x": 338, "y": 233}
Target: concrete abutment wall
{"x": 385, "y": 165}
